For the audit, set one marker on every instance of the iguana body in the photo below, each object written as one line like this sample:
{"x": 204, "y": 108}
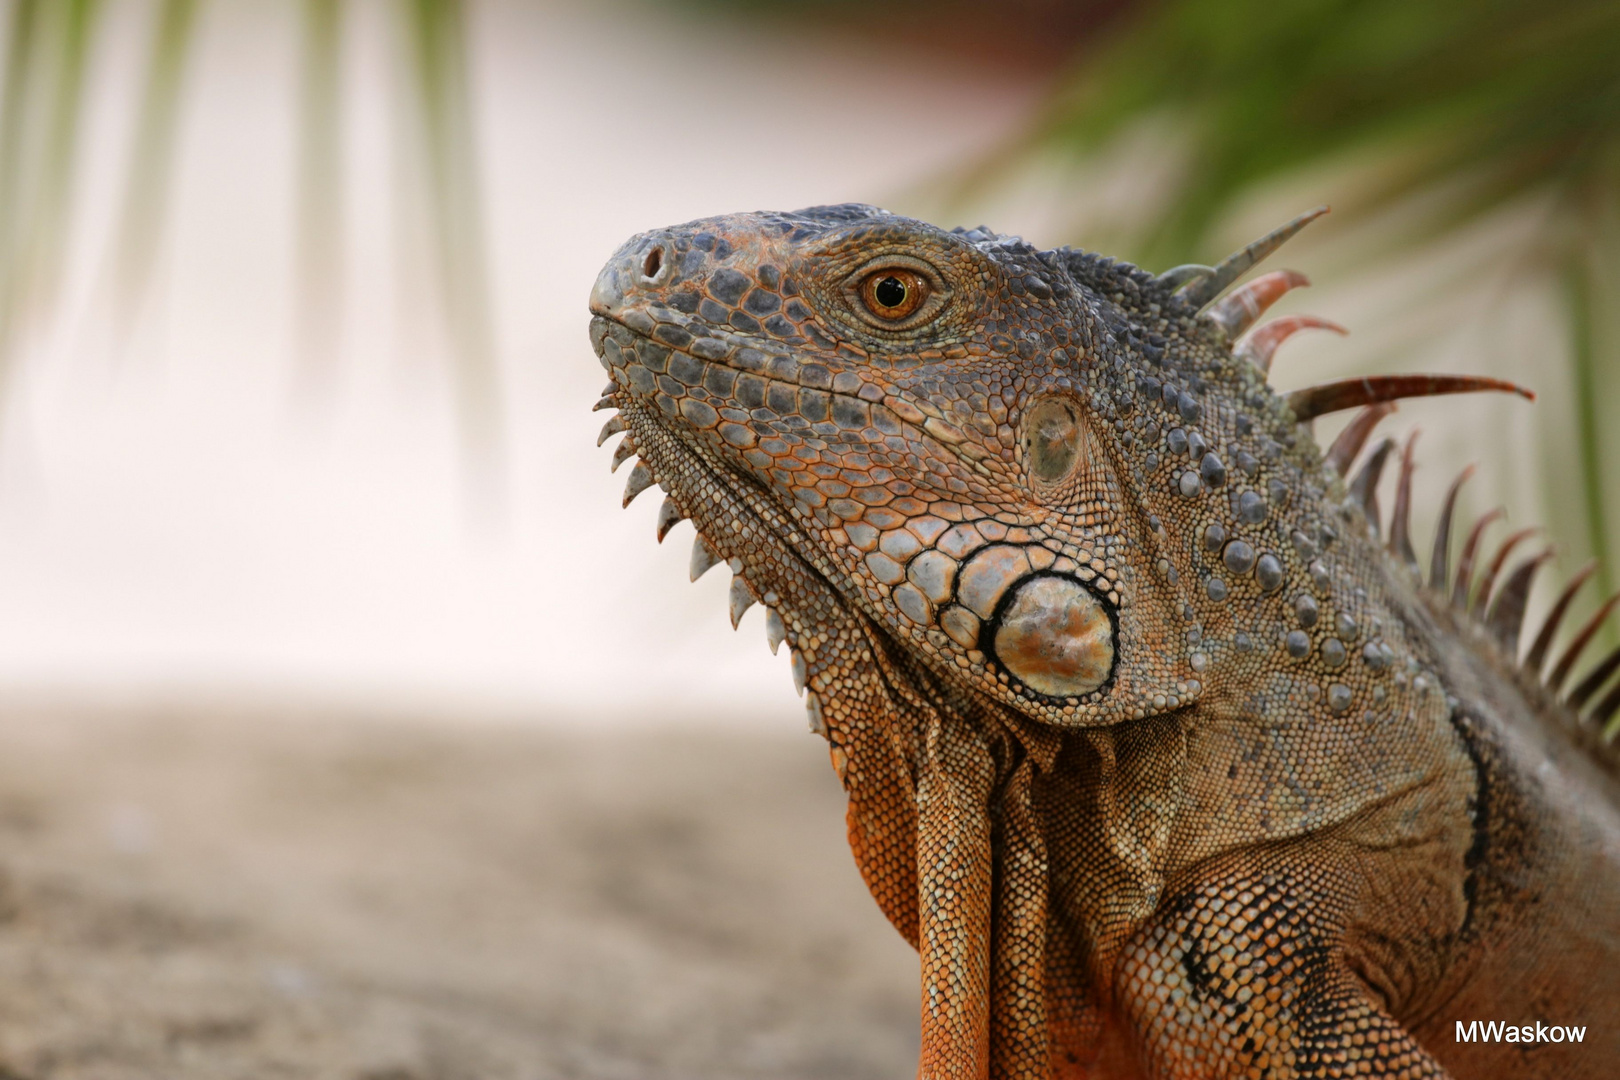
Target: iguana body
{"x": 1166, "y": 765}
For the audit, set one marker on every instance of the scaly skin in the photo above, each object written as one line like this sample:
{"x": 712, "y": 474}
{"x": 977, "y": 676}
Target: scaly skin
{"x": 1162, "y": 762}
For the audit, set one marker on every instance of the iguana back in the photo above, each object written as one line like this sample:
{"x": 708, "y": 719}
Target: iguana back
{"x": 1169, "y": 760}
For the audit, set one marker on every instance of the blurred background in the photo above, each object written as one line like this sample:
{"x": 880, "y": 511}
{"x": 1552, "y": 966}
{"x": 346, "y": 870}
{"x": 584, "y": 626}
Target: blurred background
{"x": 298, "y": 485}
{"x": 292, "y": 328}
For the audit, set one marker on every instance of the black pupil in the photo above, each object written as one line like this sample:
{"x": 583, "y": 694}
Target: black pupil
{"x": 890, "y": 292}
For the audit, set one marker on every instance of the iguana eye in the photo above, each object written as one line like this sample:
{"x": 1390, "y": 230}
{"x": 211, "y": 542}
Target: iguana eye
{"x": 893, "y": 294}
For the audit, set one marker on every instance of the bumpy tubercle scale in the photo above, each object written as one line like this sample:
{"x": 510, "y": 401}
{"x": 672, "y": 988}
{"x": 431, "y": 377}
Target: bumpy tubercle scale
{"x": 1067, "y": 586}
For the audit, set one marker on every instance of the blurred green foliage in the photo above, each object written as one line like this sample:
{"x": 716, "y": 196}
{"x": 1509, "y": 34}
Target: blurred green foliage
{"x": 48, "y": 49}
{"x": 1510, "y": 93}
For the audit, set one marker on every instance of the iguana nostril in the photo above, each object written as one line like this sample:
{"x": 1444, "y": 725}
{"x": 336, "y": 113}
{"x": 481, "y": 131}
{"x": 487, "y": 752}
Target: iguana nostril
{"x": 655, "y": 265}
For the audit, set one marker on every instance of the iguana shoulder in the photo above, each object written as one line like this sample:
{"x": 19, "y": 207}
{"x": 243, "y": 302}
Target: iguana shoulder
{"x": 1159, "y": 748}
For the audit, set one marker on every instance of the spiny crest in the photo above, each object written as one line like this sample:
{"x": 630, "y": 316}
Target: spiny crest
{"x": 1232, "y": 318}
{"x": 1489, "y": 594}
{"x": 1107, "y": 276}
{"x": 1197, "y": 286}
{"x": 1494, "y": 598}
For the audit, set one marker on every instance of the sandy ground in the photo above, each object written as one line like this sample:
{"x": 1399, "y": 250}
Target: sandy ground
{"x": 191, "y": 894}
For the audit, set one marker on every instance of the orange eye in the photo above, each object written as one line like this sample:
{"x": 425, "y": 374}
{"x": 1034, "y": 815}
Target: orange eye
{"x": 894, "y": 294}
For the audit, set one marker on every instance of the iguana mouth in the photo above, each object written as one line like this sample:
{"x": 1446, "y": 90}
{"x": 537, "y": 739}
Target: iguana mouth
{"x": 736, "y": 518}
{"x": 664, "y": 461}
{"x": 659, "y": 367}
{"x": 1052, "y": 633}
{"x": 629, "y": 357}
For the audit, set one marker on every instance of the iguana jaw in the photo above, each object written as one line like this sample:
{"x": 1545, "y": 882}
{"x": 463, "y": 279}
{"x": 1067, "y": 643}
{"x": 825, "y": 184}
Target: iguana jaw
{"x": 736, "y": 518}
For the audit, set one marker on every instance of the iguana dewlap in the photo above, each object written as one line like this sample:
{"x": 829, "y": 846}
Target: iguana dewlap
{"x": 1160, "y": 751}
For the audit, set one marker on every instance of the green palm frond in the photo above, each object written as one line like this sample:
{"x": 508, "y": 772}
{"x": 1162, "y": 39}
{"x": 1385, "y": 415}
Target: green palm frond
{"x": 448, "y": 154}
{"x": 320, "y": 184}
{"x": 1514, "y": 93}
{"x": 49, "y": 57}
{"x": 39, "y": 113}
{"x": 151, "y": 160}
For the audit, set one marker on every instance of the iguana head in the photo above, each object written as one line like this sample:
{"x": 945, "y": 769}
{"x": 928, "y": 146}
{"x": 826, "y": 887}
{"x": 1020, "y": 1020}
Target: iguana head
{"x": 1047, "y": 472}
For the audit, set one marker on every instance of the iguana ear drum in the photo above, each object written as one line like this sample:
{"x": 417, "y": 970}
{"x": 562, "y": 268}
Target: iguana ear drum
{"x": 1053, "y": 439}
{"x": 1055, "y": 636}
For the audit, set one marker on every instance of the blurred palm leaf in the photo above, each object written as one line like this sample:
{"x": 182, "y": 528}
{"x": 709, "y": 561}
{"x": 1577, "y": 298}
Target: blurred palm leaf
{"x": 39, "y": 112}
{"x": 447, "y": 150}
{"x": 1507, "y": 93}
{"x": 147, "y": 187}
{"x": 48, "y": 51}
{"x": 320, "y": 182}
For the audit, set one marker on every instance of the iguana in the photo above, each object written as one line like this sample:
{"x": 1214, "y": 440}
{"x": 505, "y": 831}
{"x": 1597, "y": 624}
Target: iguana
{"x": 1167, "y": 758}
